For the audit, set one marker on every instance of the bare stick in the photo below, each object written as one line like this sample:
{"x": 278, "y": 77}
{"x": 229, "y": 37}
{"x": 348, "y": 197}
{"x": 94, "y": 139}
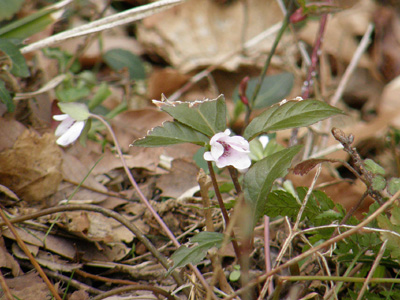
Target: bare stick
{"x": 372, "y": 271}
{"x": 325, "y": 244}
{"x": 22, "y": 245}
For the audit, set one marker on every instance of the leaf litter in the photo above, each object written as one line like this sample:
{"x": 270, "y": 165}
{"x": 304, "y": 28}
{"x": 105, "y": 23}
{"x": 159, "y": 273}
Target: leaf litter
{"x": 35, "y": 173}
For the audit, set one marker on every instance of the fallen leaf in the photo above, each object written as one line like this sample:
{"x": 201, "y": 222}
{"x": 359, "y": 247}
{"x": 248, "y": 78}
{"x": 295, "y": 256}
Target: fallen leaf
{"x": 27, "y": 287}
{"x": 32, "y": 167}
{"x": 181, "y": 178}
{"x": 201, "y": 33}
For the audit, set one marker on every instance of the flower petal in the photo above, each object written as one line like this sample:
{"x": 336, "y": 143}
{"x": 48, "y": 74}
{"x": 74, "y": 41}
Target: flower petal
{"x": 239, "y": 143}
{"x": 71, "y": 134}
{"x": 64, "y": 125}
{"x": 217, "y": 150}
{"x": 207, "y": 156}
{"x": 61, "y": 117}
{"x": 220, "y": 135}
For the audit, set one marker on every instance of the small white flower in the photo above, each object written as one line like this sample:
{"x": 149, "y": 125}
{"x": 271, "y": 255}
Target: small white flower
{"x": 68, "y": 130}
{"x": 229, "y": 151}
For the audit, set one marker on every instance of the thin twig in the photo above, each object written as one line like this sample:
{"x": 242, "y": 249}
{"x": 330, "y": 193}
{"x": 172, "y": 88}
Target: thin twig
{"x": 372, "y": 270}
{"x": 106, "y": 23}
{"x": 5, "y": 288}
{"x": 147, "y": 203}
{"x": 325, "y": 244}
{"x": 108, "y": 213}
{"x": 139, "y": 287}
{"x": 22, "y": 245}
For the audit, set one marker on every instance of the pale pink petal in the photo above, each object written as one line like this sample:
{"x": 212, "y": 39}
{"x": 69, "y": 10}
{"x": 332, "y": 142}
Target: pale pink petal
{"x": 72, "y": 134}
{"x": 219, "y": 136}
{"x": 217, "y": 150}
{"x": 64, "y": 126}
{"x": 207, "y": 156}
{"x": 239, "y": 143}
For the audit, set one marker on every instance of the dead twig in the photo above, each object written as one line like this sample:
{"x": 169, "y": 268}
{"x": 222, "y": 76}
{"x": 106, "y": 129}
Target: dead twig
{"x": 139, "y": 287}
{"x": 22, "y": 245}
{"x": 108, "y": 213}
{"x": 5, "y": 287}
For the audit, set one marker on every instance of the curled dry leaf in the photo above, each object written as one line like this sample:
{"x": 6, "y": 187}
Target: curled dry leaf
{"x": 32, "y": 167}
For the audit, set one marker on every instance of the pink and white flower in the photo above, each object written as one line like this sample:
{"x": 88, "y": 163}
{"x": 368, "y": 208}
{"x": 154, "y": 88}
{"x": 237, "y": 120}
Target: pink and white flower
{"x": 69, "y": 129}
{"x": 229, "y": 150}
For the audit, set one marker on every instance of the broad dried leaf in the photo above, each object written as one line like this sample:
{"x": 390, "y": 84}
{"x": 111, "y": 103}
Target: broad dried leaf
{"x": 290, "y": 114}
{"x": 306, "y": 166}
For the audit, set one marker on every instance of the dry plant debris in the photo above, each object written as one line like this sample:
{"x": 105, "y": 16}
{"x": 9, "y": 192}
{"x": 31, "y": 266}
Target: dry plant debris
{"x": 99, "y": 219}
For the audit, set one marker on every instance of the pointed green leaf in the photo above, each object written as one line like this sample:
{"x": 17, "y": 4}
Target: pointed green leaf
{"x": 208, "y": 116}
{"x": 77, "y": 111}
{"x": 291, "y": 114}
{"x": 9, "y": 8}
{"x": 260, "y": 177}
{"x": 18, "y": 64}
{"x": 273, "y": 89}
{"x": 373, "y": 167}
{"x": 118, "y": 59}
{"x": 6, "y": 98}
{"x": 205, "y": 241}
{"x": 171, "y": 133}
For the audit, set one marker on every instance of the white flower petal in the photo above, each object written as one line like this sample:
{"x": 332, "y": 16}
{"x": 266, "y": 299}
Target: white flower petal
{"x": 64, "y": 126}
{"x": 72, "y": 134}
{"x": 264, "y": 139}
{"x": 61, "y": 117}
{"x": 207, "y": 156}
{"x": 217, "y": 150}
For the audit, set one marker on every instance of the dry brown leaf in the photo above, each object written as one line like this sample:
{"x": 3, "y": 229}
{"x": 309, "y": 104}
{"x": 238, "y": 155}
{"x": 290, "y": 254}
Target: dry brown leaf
{"x": 342, "y": 30}
{"x": 48, "y": 260}
{"x": 79, "y": 295}
{"x": 28, "y": 287}
{"x": 8, "y": 261}
{"x": 32, "y": 168}
{"x": 164, "y": 81}
{"x": 200, "y": 33}
{"x": 56, "y": 244}
{"x": 89, "y": 225}
{"x": 181, "y": 178}
{"x": 10, "y": 130}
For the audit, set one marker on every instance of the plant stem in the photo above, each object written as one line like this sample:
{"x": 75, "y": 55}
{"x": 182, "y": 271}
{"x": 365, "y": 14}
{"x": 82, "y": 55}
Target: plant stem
{"x": 323, "y": 245}
{"x": 222, "y": 206}
{"x": 147, "y": 203}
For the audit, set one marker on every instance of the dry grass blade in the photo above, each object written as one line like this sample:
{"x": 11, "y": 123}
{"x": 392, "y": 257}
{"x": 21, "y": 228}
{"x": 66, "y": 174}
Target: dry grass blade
{"x": 109, "y": 22}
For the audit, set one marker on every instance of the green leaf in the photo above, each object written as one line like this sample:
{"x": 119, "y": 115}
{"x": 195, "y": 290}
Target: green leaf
{"x": 208, "y": 116}
{"x": 171, "y": 133}
{"x": 77, "y": 111}
{"x": 393, "y": 186}
{"x": 102, "y": 94}
{"x": 281, "y": 203}
{"x": 6, "y": 98}
{"x": 18, "y": 64}
{"x": 373, "y": 167}
{"x": 273, "y": 89}
{"x": 118, "y": 59}
{"x": 72, "y": 94}
{"x": 260, "y": 177}
{"x": 33, "y": 23}
{"x": 291, "y": 114}
{"x": 378, "y": 183}
{"x": 194, "y": 255}
{"x": 9, "y": 8}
